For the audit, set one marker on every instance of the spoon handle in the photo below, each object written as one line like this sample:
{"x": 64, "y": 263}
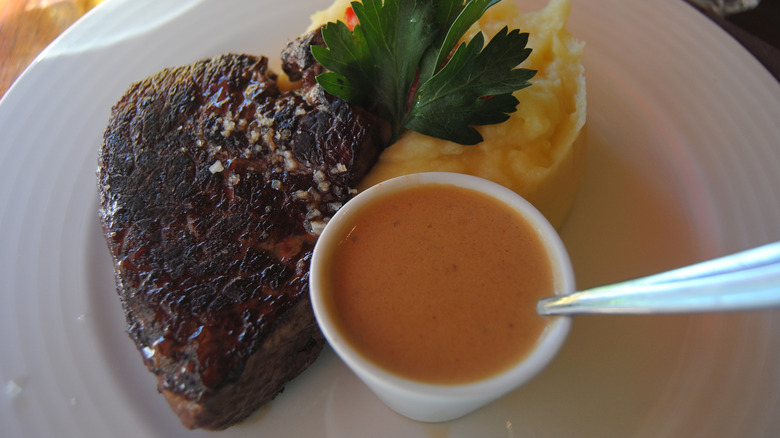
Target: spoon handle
{"x": 741, "y": 281}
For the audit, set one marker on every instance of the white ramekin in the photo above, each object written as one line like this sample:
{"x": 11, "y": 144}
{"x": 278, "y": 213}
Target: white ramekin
{"x": 437, "y": 402}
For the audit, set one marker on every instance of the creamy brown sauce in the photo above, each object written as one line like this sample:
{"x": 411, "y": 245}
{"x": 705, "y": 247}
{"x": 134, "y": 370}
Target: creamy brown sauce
{"x": 440, "y": 284}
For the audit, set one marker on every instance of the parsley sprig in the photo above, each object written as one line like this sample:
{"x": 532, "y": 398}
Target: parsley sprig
{"x": 398, "y": 63}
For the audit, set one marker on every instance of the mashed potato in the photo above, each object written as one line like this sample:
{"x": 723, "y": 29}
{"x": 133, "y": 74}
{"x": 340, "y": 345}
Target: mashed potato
{"x": 540, "y": 151}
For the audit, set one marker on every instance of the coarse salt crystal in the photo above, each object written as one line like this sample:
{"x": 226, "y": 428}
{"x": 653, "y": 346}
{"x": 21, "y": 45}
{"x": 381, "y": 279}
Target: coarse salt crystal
{"x": 216, "y": 167}
{"x": 289, "y": 162}
{"x": 228, "y": 125}
{"x": 317, "y": 227}
{"x": 339, "y": 168}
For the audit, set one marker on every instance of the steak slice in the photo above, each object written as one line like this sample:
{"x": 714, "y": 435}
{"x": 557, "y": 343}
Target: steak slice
{"x": 214, "y": 185}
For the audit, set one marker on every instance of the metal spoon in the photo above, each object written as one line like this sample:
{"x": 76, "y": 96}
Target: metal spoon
{"x": 742, "y": 281}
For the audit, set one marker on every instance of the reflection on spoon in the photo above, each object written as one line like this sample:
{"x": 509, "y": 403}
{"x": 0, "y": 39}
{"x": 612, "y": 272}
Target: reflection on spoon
{"x": 742, "y": 281}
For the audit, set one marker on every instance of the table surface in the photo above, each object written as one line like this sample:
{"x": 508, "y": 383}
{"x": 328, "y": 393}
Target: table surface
{"x": 28, "y": 26}
{"x": 758, "y": 31}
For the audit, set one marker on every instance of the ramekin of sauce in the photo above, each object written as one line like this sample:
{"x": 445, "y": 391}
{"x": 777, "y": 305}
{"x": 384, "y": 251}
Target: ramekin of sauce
{"x": 426, "y": 286}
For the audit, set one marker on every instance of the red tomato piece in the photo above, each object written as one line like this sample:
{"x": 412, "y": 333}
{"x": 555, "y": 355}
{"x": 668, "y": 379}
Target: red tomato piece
{"x": 351, "y": 19}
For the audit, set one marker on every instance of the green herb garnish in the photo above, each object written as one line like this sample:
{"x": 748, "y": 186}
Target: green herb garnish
{"x": 398, "y": 63}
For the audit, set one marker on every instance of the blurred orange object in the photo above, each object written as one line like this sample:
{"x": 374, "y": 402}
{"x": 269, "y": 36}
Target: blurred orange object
{"x": 28, "y": 26}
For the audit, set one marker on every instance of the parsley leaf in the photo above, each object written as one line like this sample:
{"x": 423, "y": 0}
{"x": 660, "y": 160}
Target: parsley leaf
{"x": 474, "y": 88}
{"x": 396, "y": 63}
{"x": 454, "y": 19}
{"x": 370, "y": 66}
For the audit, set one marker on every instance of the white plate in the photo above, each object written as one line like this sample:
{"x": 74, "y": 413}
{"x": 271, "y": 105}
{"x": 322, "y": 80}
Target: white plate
{"x": 683, "y": 166}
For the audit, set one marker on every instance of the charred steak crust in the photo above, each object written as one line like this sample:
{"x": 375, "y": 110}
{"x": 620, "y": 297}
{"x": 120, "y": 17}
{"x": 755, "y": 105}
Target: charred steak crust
{"x": 213, "y": 187}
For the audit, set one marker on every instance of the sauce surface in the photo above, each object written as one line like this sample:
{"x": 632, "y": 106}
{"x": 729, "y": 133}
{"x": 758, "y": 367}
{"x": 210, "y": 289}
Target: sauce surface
{"x": 439, "y": 284}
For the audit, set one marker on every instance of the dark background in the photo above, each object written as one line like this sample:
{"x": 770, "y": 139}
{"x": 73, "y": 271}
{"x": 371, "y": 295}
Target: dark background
{"x": 758, "y": 30}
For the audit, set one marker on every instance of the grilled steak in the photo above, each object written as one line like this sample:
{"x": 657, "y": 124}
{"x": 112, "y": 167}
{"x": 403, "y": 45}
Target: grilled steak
{"x": 213, "y": 187}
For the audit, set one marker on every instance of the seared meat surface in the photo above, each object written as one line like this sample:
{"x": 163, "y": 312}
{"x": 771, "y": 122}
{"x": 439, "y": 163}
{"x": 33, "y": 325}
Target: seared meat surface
{"x": 213, "y": 186}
